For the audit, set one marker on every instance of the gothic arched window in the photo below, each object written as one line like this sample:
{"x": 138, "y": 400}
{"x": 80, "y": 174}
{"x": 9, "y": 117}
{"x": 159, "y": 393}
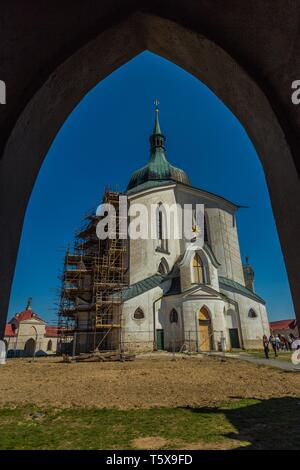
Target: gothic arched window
{"x": 252, "y": 313}
{"x": 160, "y": 225}
{"x": 163, "y": 267}
{"x": 161, "y": 229}
{"x": 206, "y": 236}
{"x": 198, "y": 270}
{"x": 173, "y": 316}
{"x": 138, "y": 314}
{"x": 49, "y": 345}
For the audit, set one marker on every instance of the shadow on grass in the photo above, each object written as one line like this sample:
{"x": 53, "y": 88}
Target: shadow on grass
{"x": 272, "y": 424}
{"x": 241, "y": 423}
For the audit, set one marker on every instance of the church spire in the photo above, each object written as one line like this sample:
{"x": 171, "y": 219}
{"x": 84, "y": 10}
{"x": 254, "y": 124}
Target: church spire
{"x": 158, "y": 169}
{"x": 157, "y": 139}
{"x": 156, "y": 129}
{"x": 29, "y": 304}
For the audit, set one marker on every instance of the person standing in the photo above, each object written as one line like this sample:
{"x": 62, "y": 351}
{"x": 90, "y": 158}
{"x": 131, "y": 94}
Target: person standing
{"x": 273, "y": 344}
{"x": 266, "y": 346}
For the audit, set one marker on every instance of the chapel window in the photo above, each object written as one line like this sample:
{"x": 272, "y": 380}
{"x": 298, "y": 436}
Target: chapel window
{"x": 252, "y": 313}
{"x": 198, "y": 270}
{"x": 161, "y": 230}
{"x": 173, "y": 316}
{"x": 138, "y": 314}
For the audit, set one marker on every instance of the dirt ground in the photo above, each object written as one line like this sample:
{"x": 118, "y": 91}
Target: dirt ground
{"x": 143, "y": 383}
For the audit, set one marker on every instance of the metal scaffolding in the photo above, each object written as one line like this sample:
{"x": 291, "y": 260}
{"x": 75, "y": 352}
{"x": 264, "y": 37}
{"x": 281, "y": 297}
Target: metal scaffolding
{"x": 94, "y": 276}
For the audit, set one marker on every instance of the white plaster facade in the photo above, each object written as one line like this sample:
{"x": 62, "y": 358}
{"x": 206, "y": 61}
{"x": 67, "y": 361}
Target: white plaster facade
{"x": 236, "y": 314}
{"x": 178, "y": 298}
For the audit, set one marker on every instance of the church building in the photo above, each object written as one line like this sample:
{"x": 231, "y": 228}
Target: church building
{"x": 174, "y": 298}
{"x": 27, "y": 335}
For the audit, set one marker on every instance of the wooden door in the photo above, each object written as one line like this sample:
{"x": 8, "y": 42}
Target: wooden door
{"x": 204, "y": 330}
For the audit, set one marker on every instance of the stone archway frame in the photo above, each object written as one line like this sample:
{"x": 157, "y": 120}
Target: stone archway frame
{"x": 42, "y": 118}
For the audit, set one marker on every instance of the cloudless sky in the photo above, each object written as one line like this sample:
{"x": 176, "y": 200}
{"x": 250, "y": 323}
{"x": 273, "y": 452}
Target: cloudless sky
{"x": 106, "y": 138}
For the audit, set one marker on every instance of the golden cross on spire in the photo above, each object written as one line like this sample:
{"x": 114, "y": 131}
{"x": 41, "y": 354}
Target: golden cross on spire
{"x": 157, "y": 103}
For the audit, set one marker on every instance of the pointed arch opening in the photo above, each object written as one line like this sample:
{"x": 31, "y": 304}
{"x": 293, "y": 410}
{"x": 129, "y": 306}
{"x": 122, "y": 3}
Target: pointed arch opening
{"x": 205, "y": 329}
{"x": 173, "y": 316}
{"x": 206, "y": 230}
{"x": 138, "y": 314}
{"x": 70, "y": 72}
{"x": 200, "y": 270}
{"x": 29, "y": 348}
{"x": 162, "y": 229}
{"x": 252, "y": 313}
{"x": 163, "y": 267}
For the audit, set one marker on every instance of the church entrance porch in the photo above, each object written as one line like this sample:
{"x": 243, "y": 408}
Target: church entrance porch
{"x": 205, "y": 330}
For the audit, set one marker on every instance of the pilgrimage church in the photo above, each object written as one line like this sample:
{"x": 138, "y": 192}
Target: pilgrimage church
{"x": 174, "y": 298}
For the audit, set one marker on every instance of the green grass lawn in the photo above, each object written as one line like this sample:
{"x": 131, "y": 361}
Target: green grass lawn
{"x": 273, "y": 424}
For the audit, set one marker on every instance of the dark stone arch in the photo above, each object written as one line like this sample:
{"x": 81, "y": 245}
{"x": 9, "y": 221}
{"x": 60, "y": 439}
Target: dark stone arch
{"x": 83, "y": 67}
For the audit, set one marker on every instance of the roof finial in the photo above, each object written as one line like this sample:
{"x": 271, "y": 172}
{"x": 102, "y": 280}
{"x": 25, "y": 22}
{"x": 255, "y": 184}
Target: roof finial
{"x": 29, "y": 304}
{"x": 156, "y": 126}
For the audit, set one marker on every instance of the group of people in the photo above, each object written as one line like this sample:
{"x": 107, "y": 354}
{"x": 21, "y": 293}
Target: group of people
{"x": 278, "y": 343}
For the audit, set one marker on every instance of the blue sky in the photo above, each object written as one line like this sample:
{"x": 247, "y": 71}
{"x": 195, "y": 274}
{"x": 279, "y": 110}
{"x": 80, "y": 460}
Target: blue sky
{"x": 106, "y": 138}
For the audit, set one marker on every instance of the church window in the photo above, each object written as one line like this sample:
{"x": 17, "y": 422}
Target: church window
{"x": 138, "y": 314}
{"x": 173, "y": 316}
{"x": 163, "y": 267}
{"x": 198, "y": 270}
{"x": 160, "y": 225}
{"x": 252, "y": 313}
{"x": 49, "y": 345}
{"x": 205, "y": 230}
{"x": 161, "y": 230}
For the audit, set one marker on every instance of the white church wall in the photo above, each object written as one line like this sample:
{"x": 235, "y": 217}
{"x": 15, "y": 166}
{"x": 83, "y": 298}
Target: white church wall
{"x": 137, "y": 335}
{"x": 214, "y": 279}
{"x": 232, "y": 321}
{"x": 144, "y": 257}
{"x": 222, "y": 230}
{"x": 252, "y": 329}
{"x": 225, "y": 243}
{"x": 219, "y": 326}
{"x": 173, "y": 331}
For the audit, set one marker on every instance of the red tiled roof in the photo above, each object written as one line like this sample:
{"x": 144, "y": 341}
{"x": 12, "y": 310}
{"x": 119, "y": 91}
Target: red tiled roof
{"x": 9, "y": 330}
{"x": 51, "y": 331}
{"x": 26, "y": 315}
{"x": 283, "y": 324}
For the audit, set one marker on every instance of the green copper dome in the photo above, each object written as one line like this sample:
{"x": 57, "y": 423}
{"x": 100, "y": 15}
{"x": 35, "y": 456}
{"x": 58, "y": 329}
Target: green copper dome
{"x": 158, "y": 168}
